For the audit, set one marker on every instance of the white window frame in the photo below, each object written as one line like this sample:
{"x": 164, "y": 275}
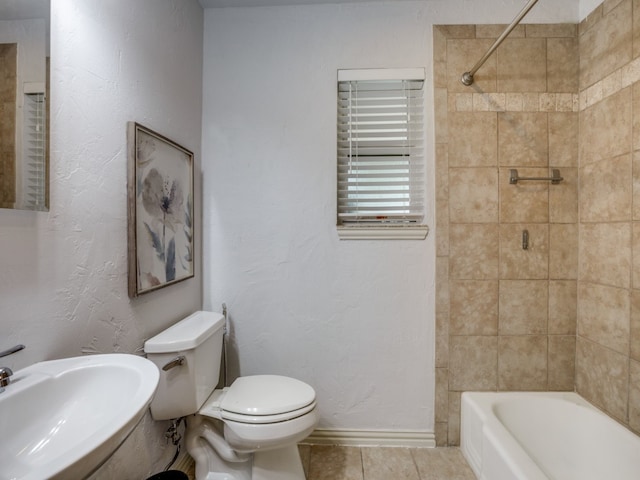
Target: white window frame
{"x": 374, "y": 157}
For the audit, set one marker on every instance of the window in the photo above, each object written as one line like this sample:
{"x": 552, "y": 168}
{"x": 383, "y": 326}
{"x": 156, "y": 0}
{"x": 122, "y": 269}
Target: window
{"x": 381, "y": 181}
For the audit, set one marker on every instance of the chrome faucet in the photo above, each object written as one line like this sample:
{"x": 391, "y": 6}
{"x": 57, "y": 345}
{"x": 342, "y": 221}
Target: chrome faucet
{"x": 5, "y": 377}
{"x": 6, "y": 372}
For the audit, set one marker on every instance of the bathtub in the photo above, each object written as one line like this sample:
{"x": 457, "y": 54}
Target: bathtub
{"x": 542, "y": 436}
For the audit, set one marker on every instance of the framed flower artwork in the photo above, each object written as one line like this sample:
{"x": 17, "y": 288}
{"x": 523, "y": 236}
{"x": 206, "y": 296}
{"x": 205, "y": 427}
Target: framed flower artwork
{"x": 160, "y": 211}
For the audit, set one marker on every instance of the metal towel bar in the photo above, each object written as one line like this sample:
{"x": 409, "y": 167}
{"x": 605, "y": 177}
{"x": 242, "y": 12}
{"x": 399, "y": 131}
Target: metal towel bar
{"x": 555, "y": 177}
{"x": 11, "y": 350}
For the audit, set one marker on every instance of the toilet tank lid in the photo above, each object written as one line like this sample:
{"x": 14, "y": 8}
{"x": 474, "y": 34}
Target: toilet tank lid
{"x": 188, "y": 333}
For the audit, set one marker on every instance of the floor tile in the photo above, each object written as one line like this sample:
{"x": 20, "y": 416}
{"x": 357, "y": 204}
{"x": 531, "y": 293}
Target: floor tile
{"x": 442, "y": 464}
{"x": 335, "y": 463}
{"x": 386, "y": 463}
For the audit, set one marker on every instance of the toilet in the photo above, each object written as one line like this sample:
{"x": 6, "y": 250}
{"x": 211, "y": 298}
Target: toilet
{"x": 248, "y": 431}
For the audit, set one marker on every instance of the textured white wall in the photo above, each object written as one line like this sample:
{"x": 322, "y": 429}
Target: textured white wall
{"x": 63, "y": 274}
{"x": 355, "y": 319}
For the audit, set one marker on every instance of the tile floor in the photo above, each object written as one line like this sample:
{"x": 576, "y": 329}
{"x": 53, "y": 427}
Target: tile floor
{"x": 324, "y": 462}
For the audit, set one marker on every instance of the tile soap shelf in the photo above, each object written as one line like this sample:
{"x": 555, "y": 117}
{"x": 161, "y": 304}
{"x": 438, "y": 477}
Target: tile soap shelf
{"x": 555, "y": 177}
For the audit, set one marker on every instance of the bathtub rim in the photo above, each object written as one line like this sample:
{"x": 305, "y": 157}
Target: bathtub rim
{"x": 515, "y": 457}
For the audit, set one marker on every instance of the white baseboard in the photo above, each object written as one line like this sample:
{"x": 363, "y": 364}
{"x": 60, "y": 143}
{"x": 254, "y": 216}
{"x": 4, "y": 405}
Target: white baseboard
{"x": 371, "y": 438}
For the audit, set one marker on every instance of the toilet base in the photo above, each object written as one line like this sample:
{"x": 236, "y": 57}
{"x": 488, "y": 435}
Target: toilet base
{"x": 216, "y": 461}
{"x": 280, "y": 464}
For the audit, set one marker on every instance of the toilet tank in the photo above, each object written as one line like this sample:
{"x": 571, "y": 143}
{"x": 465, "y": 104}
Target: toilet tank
{"x": 184, "y": 388}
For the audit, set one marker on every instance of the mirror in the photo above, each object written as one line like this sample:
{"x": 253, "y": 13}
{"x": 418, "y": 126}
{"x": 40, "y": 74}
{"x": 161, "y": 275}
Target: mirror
{"x": 24, "y": 105}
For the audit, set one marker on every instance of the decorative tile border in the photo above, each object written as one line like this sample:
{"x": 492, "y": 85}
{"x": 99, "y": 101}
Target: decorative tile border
{"x": 513, "y": 102}
{"x": 611, "y": 84}
{"x": 547, "y": 102}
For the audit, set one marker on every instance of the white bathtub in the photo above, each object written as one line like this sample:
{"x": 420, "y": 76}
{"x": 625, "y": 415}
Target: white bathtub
{"x": 542, "y": 436}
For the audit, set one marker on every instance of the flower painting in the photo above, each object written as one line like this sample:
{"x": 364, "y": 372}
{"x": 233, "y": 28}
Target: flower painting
{"x": 160, "y": 211}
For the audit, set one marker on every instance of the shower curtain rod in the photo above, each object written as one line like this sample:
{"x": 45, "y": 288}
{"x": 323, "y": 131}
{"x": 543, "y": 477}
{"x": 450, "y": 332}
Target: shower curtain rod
{"x": 467, "y": 77}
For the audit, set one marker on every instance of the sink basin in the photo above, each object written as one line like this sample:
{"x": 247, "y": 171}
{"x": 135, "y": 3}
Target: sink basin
{"x": 63, "y": 418}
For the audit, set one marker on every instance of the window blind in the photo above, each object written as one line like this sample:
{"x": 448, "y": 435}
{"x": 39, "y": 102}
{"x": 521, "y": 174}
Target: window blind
{"x": 381, "y": 146}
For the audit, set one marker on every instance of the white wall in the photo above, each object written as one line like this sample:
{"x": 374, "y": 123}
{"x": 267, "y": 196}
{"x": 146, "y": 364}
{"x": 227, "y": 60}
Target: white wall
{"x": 355, "y": 319}
{"x": 63, "y": 274}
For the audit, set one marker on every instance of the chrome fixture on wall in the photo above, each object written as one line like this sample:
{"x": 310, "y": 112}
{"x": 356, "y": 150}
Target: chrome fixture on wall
{"x": 467, "y": 77}
{"x": 555, "y": 177}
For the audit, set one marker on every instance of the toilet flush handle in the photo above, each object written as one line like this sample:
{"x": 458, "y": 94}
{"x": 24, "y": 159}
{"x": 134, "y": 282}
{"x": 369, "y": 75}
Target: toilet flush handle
{"x": 176, "y": 362}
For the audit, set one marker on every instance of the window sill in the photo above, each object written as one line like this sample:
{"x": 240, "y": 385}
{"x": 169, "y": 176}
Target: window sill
{"x": 383, "y": 232}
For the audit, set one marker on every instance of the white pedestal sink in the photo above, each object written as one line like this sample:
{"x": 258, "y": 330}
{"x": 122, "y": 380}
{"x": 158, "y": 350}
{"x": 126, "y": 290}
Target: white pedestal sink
{"x": 63, "y": 418}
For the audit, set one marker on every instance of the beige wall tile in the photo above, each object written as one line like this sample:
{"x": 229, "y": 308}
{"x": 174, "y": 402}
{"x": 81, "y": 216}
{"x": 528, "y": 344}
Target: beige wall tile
{"x": 474, "y": 195}
{"x": 462, "y": 55}
{"x": 606, "y": 190}
{"x": 524, "y": 202}
{"x": 608, "y": 5}
{"x": 563, "y": 197}
{"x": 522, "y": 65}
{"x": 635, "y": 279}
{"x": 563, "y": 304}
{"x": 442, "y": 295}
{"x": 442, "y": 171}
{"x": 474, "y": 252}
{"x": 602, "y": 377}
{"x": 590, "y": 20}
{"x": 563, "y": 139}
{"x": 552, "y": 30}
{"x": 605, "y": 253}
{"x": 636, "y": 185}
{"x": 605, "y": 128}
{"x": 523, "y": 139}
{"x": 442, "y": 227}
{"x": 604, "y": 315}
{"x": 473, "y": 363}
{"x": 441, "y": 405}
{"x": 561, "y": 363}
{"x": 636, "y": 28}
{"x": 634, "y": 334}
{"x": 457, "y": 31}
{"x": 634, "y": 395}
{"x": 442, "y": 350}
{"x": 522, "y": 362}
{"x": 473, "y": 139}
{"x": 562, "y": 64}
{"x": 441, "y": 431}
{"x": 495, "y": 30}
{"x": 439, "y": 58}
{"x": 523, "y": 307}
{"x": 474, "y": 307}
{"x": 516, "y": 263}
{"x": 636, "y": 113}
{"x": 607, "y": 45}
{"x": 563, "y": 251}
{"x": 441, "y": 115}
{"x": 453, "y": 433}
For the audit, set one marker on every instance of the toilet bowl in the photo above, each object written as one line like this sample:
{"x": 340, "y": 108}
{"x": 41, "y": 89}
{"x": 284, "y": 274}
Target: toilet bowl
{"x": 247, "y": 431}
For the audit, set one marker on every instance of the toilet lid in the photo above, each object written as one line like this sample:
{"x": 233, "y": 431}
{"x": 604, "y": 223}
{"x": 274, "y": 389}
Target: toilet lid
{"x": 267, "y": 395}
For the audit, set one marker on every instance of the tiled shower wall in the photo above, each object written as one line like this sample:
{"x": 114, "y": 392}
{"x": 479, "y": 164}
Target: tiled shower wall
{"x": 506, "y": 316}
{"x": 608, "y": 327}
{"x": 565, "y": 96}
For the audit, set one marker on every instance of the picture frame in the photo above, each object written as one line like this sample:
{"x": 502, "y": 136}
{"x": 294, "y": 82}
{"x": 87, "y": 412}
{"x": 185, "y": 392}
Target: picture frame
{"x": 160, "y": 211}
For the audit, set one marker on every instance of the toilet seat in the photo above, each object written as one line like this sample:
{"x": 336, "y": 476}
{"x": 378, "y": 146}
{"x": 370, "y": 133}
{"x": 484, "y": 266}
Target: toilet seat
{"x": 260, "y": 399}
